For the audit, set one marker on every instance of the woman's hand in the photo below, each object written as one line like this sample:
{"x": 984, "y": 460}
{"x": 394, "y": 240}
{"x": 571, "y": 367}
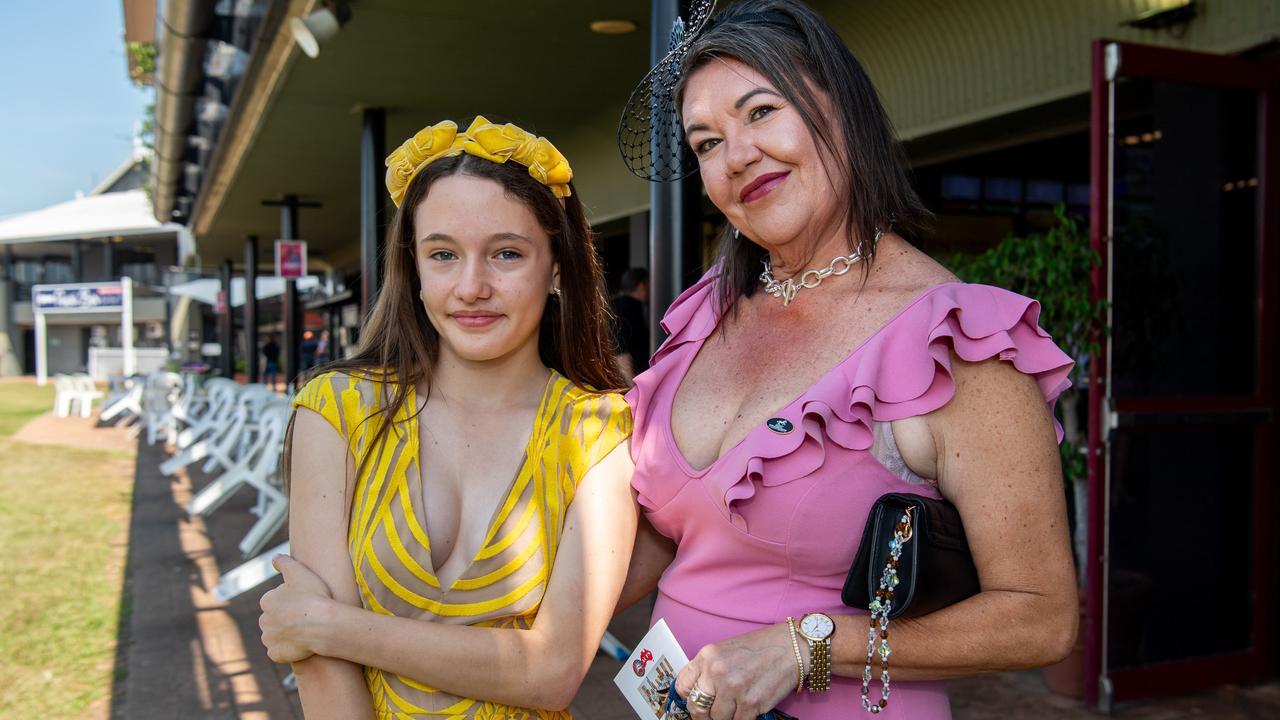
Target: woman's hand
{"x": 748, "y": 674}
{"x": 292, "y": 611}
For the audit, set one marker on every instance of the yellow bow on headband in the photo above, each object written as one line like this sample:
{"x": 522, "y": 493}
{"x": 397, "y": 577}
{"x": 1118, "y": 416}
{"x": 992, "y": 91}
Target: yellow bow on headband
{"x": 497, "y": 143}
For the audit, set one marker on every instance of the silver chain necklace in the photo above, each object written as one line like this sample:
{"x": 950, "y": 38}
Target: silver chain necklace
{"x": 810, "y": 279}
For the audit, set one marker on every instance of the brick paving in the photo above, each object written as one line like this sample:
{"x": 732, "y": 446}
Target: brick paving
{"x": 185, "y": 655}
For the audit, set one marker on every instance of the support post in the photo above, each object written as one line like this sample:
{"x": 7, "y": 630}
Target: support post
{"x": 10, "y": 338}
{"x": 289, "y": 306}
{"x": 373, "y": 208}
{"x": 126, "y": 326}
{"x": 674, "y": 206}
{"x": 251, "y": 307}
{"x": 226, "y": 361}
{"x": 42, "y": 349}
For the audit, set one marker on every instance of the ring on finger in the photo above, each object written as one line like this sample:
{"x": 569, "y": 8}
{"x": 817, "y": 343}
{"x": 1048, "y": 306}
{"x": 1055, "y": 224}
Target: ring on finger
{"x": 700, "y": 698}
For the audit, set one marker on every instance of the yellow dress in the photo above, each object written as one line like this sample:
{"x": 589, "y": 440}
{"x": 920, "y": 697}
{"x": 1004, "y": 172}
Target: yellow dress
{"x": 390, "y": 551}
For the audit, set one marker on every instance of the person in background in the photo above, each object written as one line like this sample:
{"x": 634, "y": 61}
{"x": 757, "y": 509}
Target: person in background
{"x": 631, "y": 341}
{"x": 322, "y": 348}
{"x": 271, "y": 364}
{"x": 309, "y": 345}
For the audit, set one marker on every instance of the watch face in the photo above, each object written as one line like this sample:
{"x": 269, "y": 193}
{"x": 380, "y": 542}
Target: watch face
{"x": 816, "y": 626}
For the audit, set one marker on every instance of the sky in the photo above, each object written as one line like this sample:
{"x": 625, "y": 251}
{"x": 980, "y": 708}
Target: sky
{"x": 67, "y": 107}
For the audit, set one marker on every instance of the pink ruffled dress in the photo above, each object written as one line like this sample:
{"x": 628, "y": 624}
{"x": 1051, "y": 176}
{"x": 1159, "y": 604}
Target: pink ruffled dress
{"x": 771, "y": 528}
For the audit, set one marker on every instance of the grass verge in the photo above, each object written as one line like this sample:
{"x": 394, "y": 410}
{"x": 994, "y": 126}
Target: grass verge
{"x": 21, "y": 400}
{"x": 64, "y": 518}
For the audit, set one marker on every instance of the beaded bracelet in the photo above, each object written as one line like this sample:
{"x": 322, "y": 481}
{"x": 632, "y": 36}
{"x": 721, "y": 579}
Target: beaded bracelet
{"x": 795, "y": 646}
{"x": 880, "y": 608}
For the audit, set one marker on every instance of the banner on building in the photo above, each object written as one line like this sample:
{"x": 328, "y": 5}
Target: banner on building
{"x": 78, "y": 297}
{"x": 291, "y": 258}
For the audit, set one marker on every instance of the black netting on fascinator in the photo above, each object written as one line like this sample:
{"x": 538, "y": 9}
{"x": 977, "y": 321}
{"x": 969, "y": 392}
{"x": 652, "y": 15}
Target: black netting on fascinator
{"x": 650, "y": 136}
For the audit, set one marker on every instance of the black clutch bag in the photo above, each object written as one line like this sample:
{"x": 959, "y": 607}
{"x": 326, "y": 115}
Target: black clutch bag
{"x": 934, "y": 567}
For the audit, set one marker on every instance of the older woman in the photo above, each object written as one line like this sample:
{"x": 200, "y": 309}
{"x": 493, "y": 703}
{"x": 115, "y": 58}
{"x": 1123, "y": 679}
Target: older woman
{"x": 784, "y": 404}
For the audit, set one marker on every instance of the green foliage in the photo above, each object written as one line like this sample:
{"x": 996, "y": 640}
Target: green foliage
{"x": 142, "y": 62}
{"x": 1053, "y": 267}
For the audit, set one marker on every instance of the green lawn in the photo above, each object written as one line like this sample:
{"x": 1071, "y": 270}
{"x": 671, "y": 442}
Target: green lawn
{"x": 64, "y": 518}
{"x": 20, "y": 401}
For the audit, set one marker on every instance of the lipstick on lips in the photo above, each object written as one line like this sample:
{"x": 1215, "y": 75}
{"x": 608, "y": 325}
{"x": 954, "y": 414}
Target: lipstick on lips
{"x": 475, "y": 318}
{"x": 762, "y": 186}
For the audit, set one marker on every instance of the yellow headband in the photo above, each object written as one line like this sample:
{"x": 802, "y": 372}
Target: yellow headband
{"x": 498, "y": 143}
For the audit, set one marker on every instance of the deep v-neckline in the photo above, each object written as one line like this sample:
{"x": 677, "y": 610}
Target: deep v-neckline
{"x": 669, "y": 430}
{"x": 419, "y": 511}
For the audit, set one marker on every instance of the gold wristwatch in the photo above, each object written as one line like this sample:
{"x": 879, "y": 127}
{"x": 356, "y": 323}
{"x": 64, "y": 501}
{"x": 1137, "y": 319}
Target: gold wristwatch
{"x": 818, "y": 628}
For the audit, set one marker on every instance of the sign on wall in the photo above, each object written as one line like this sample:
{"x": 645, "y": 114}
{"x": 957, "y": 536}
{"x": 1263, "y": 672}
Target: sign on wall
{"x": 291, "y": 258}
{"x": 78, "y": 297}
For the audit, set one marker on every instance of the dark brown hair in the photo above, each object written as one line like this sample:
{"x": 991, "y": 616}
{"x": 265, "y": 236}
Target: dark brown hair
{"x": 398, "y": 344}
{"x": 802, "y": 55}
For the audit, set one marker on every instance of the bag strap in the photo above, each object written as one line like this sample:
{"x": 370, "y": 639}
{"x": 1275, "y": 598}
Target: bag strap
{"x": 880, "y": 607}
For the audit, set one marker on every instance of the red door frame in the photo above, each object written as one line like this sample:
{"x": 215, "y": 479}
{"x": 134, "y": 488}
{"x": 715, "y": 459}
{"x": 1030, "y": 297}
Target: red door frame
{"x": 1185, "y": 676}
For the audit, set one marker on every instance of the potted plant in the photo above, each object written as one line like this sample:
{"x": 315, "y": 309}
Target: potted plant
{"x": 1054, "y": 267}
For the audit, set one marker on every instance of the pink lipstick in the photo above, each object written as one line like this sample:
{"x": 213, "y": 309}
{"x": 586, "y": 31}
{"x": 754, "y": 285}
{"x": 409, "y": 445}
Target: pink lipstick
{"x": 762, "y": 186}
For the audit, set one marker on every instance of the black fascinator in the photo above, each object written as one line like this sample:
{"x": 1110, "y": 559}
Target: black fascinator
{"x": 650, "y": 136}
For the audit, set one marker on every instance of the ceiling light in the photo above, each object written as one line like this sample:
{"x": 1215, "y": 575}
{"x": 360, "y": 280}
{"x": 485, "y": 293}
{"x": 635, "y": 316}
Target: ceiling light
{"x": 613, "y": 27}
{"x": 1164, "y": 17}
{"x": 318, "y": 27}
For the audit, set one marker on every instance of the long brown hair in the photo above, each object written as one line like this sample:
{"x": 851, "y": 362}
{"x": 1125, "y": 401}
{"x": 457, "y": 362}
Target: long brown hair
{"x": 399, "y": 346}
{"x": 798, "y": 51}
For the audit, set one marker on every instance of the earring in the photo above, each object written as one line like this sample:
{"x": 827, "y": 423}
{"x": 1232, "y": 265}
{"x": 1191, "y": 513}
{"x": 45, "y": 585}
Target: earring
{"x": 736, "y": 235}
{"x": 556, "y": 291}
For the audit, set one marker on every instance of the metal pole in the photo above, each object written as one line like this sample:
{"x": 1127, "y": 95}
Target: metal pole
{"x": 668, "y": 202}
{"x": 226, "y": 361}
{"x": 289, "y": 305}
{"x": 42, "y": 349}
{"x": 126, "y": 326}
{"x": 251, "y": 307}
{"x": 373, "y": 152}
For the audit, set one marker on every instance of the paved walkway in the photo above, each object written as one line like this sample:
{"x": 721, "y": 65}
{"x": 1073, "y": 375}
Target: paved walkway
{"x": 185, "y": 655}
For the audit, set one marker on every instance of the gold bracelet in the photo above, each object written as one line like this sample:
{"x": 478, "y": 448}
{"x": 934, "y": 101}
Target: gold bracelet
{"x": 795, "y": 646}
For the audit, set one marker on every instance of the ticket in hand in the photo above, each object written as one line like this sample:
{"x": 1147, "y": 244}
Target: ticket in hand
{"x": 646, "y": 676}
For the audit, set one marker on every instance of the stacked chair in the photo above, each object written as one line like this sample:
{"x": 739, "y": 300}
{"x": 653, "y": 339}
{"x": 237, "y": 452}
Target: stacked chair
{"x": 235, "y": 432}
{"x": 74, "y": 390}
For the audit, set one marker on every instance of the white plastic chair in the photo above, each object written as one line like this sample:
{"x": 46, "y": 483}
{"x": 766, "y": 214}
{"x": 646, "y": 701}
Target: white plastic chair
{"x": 85, "y": 392}
{"x": 127, "y": 401}
{"x": 250, "y": 574}
{"x": 256, "y": 468}
{"x": 160, "y": 393}
{"x": 194, "y": 442}
{"x": 220, "y": 396}
{"x": 64, "y": 394}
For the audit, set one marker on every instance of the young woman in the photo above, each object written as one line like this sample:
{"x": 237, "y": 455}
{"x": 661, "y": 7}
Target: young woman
{"x": 465, "y": 475}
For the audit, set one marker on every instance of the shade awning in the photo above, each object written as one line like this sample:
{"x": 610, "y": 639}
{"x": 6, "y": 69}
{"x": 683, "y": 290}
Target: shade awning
{"x": 93, "y": 216}
{"x": 206, "y": 289}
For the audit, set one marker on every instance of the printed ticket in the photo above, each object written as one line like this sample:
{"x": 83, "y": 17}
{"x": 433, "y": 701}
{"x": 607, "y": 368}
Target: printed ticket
{"x": 647, "y": 675}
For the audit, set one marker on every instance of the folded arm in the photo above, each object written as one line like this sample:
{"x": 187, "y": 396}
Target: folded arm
{"x": 541, "y": 667}
{"x": 321, "y": 477}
